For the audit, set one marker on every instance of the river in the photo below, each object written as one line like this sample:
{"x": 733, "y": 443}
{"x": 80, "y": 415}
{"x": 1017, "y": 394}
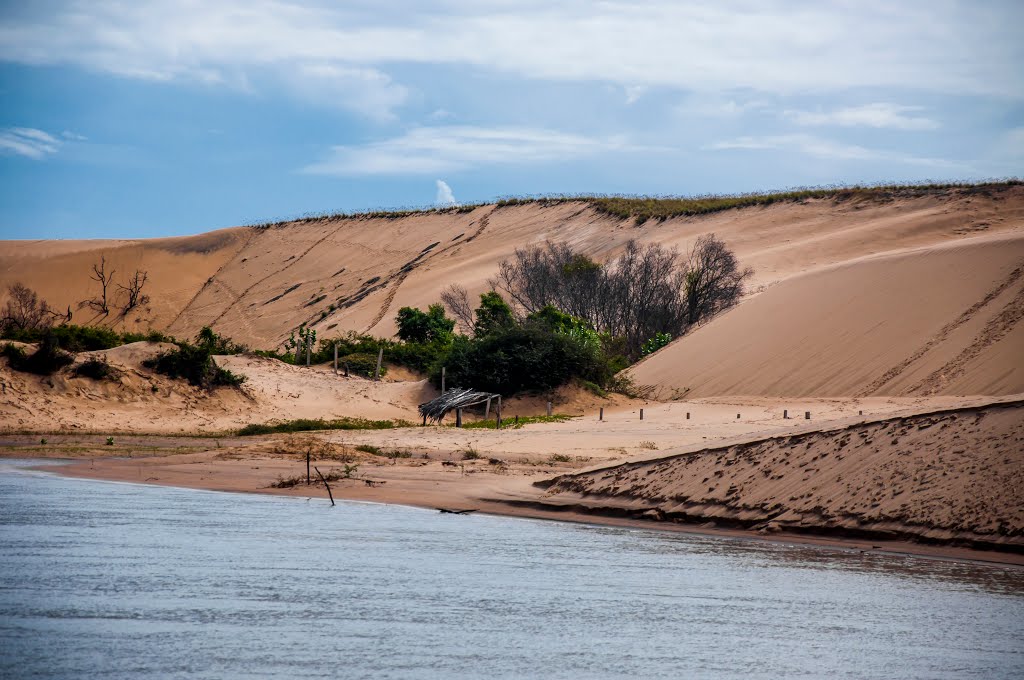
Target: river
{"x": 102, "y": 579}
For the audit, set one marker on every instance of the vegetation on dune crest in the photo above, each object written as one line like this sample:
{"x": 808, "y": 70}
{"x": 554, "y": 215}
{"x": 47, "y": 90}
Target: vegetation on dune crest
{"x": 312, "y": 424}
{"x": 643, "y": 208}
{"x": 194, "y": 362}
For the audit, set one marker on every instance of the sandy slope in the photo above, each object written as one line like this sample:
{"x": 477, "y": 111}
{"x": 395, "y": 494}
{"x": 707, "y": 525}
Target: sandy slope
{"x": 937, "y": 320}
{"x": 948, "y": 476}
{"x": 257, "y": 284}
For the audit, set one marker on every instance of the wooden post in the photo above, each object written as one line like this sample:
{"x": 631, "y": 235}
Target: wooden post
{"x": 498, "y": 414}
{"x": 641, "y": 414}
{"x": 458, "y": 417}
{"x": 331, "y": 495}
{"x": 687, "y": 415}
{"x": 443, "y": 370}
{"x": 737, "y": 416}
{"x": 600, "y": 415}
{"x": 307, "y": 467}
{"x": 309, "y": 347}
{"x": 807, "y": 415}
{"x": 549, "y": 409}
{"x": 380, "y": 358}
{"x": 517, "y": 419}
{"x": 424, "y": 421}
{"x": 860, "y": 413}
{"x": 785, "y": 413}
{"x": 335, "y": 358}
{"x": 487, "y": 409}
{"x": 346, "y": 369}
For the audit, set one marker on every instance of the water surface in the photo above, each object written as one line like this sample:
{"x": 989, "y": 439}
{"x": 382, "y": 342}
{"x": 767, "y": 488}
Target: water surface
{"x": 101, "y": 579}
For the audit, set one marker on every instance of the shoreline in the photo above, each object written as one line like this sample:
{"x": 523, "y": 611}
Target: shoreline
{"x": 515, "y": 507}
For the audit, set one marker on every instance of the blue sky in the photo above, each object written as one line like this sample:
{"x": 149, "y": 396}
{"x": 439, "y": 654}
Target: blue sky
{"x": 135, "y": 118}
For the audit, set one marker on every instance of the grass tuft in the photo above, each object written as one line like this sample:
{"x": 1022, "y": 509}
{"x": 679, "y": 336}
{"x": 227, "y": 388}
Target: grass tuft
{"x": 308, "y": 424}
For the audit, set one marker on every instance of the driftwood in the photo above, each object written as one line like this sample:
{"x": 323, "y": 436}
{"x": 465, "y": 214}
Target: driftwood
{"x": 329, "y": 494}
{"x": 436, "y": 409}
{"x": 448, "y": 511}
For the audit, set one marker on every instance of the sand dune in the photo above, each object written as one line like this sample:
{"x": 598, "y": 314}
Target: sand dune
{"x": 255, "y": 285}
{"x": 952, "y": 476}
{"x": 938, "y": 320}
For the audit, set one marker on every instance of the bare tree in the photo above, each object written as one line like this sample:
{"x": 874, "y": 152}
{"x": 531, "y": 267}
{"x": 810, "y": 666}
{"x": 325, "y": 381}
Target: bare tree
{"x": 25, "y": 310}
{"x": 100, "y": 275}
{"x": 648, "y": 289}
{"x": 714, "y": 280}
{"x": 134, "y": 291}
{"x": 456, "y": 299}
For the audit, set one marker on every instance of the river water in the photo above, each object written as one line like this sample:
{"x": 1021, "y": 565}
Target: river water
{"x": 101, "y": 579}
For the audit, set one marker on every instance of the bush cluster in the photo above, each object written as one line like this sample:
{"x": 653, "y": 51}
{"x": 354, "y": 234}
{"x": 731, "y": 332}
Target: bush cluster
{"x": 74, "y": 338}
{"x": 195, "y": 362}
{"x": 46, "y": 360}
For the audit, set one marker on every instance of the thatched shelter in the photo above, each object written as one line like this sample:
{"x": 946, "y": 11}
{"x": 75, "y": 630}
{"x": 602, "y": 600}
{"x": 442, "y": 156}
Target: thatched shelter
{"x": 454, "y": 400}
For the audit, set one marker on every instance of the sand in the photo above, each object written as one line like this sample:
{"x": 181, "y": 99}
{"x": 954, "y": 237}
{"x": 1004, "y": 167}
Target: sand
{"x": 876, "y": 316}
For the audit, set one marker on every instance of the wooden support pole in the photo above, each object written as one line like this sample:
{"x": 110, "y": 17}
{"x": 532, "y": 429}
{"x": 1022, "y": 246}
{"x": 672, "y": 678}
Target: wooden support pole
{"x": 424, "y": 421}
{"x": 737, "y": 416}
{"x": 322, "y": 479}
{"x": 600, "y": 414}
{"x": 380, "y": 358}
{"x": 335, "y": 358}
{"x": 517, "y": 419}
{"x": 498, "y": 414}
{"x": 549, "y": 409}
{"x": 309, "y": 349}
{"x": 307, "y": 467}
{"x": 444, "y": 369}
{"x": 807, "y": 415}
{"x": 346, "y": 369}
{"x": 641, "y": 414}
{"x": 458, "y": 417}
{"x": 785, "y": 413}
{"x": 687, "y": 415}
{"x": 487, "y": 409}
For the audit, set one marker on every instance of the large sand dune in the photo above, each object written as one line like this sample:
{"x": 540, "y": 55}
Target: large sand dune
{"x": 937, "y": 320}
{"x": 353, "y": 274}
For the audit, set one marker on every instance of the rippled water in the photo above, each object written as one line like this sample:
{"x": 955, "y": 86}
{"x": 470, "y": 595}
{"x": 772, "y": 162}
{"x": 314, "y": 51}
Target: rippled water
{"x": 104, "y": 580}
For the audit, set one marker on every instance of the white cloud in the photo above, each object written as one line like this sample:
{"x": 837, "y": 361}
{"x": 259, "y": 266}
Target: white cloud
{"x": 28, "y": 142}
{"x": 878, "y": 115}
{"x": 955, "y": 47}
{"x": 73, "y": 136}
{"x": 634, "y": 92}
{"x": 823, "y": 148}
{"x": 444, "y": 194}
{"x": 435, "y": 150}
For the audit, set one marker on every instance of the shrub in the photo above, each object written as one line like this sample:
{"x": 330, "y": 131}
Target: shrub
{"x": 46, "y": 360}
{"x": 83, "y": 338}
{"x": 97, "y": 369}
{"x": 362, "y": 364}
{"x": 195, "y": 362}
{"x": 424, "y": 327}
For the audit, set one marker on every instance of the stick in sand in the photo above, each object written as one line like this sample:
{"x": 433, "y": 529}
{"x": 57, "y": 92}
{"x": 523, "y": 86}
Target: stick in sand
{"x": 329, "y": 494}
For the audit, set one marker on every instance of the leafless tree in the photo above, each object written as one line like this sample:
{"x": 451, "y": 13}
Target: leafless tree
{"x": 648, "y": 289}
{"x": 25, "y": 310}
{"x": 714, "y": 280}
{"x": 100, "y": 275}
{"x": 133, "y": 291}
{"x": 456, "y": 299}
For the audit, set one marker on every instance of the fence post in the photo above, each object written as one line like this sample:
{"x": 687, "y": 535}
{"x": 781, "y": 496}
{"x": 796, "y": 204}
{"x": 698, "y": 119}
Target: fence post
{"x": 687, "y": 415}
{"x": 458, "y": 417}
{"x": 444, "y": 369}
{"x": 807, "y": 415}
{"x": 309, "y": 346}
{"x": 549, "y": 408}
{"x": 380, "y": 357}
{"x": 600, "y": 415}
{"x": 499, "y": 412}
{"x": 785, "y": 414}
{"x": 641, "y": 414}
{"x": 487, "y": 409}
{"x": 335, "y": 358}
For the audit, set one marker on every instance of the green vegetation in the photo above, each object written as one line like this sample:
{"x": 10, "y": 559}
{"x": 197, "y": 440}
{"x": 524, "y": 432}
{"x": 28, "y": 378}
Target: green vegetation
{"x": 97, "y": 369}
{"x": 362, "y": 364}
{"x": 424, "y": 327}
{"x": 195, "y": 363}
{"x": 308, "y": 424}
{"x": 81, "y": 338}
{"x": 509, "y": 423}
{"x": 46, "y": 360}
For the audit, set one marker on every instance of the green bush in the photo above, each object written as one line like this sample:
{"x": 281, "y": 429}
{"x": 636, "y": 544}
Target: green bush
{"x": 46, "y": 360}
{"x": 194, "y": 364}
{"x": 82, "y": 338}
{"x": 424, "y": 327}
{"x": 362, "y": 364}
{"x": 97, "y": 369}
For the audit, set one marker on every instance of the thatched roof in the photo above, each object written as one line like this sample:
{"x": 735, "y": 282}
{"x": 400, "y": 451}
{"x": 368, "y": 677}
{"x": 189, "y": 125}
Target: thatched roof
{"x": 437, "y": 409}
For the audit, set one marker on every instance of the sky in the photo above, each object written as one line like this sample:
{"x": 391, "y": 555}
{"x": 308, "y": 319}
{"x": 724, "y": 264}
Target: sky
{"x": 137, "y": 118}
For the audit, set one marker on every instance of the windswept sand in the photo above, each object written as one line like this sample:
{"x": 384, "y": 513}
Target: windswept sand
{"x": 876, "y": 316}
